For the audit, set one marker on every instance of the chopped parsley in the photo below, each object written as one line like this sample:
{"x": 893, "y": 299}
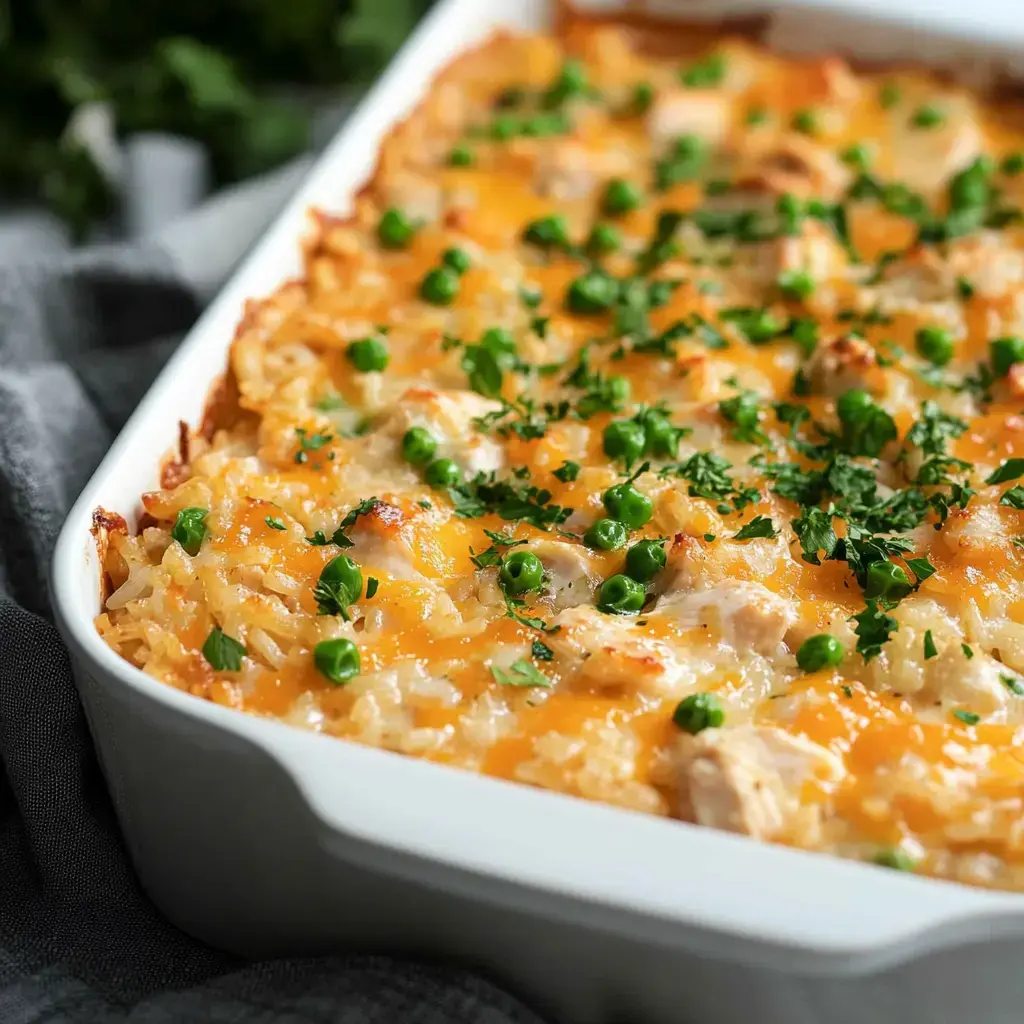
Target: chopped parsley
{"x": 222, "y": 652}
{"x": 705, "y": 73}
{"x": 1009, "y": 469}
{"x": 275, "y": 523}
{"x": 708, "y": 476}
{"x": 567, "y": 472}
{"x": 759, "y": 526}
{"x": 520, "y": 673}
{"x": 363, "y": 508}
{"x": 493, "y": 555}
{"x": 934, "y": 428}
{"x": 874, "y": 628}
{"x": 967, "y": 717}
{"x": 815, "y": 532}
{"x": 541, "y": 651}
{"x": 929, "y": 646}
{"x": 508, "y": 499}
{"x": 1013, "y": 684}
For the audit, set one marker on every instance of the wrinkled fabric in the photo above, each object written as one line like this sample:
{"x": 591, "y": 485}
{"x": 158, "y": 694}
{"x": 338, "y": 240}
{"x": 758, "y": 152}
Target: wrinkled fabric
{"x": 82, "y": 334}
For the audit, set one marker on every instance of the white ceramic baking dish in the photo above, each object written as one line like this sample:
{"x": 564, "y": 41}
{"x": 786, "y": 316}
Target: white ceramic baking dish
{"x": 265, "y": 839}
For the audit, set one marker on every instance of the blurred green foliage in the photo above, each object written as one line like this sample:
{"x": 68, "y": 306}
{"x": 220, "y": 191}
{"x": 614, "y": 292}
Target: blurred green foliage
{"x": 209, "y": 69}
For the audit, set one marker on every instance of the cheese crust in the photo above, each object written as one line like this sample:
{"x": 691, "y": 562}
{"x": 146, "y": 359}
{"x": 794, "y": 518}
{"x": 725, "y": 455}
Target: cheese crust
{"x": 773, "y": 235}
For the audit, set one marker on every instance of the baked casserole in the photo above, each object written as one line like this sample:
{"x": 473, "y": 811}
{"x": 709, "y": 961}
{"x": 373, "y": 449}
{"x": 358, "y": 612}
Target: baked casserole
{"x": 651, "y": 432}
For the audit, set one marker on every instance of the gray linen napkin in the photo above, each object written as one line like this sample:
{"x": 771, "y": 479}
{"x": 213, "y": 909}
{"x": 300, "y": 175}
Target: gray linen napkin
{"x": 82, "y": 333}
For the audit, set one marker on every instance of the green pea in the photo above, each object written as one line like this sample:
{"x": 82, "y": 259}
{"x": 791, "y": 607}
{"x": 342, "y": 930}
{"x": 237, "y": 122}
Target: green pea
{"x": 645, "y": 559}
{"x": 461, "y": 156}
{"x": 895, "y": 858}
{"x": 642, "y": 98}
{"x": 521, "y": 571}
{"x": 440, "y": 286}
{"x": 927, "y": 116}
{"x": 621, "y": 595}
{"x": 624, "y": 439}
{"x": 970, "y": 188}
{"x": 443, "y": 473}
{"x": 548, "y": 232}
{"x": 820, "y": 651}
{"x": 857, "y": 156}
{"x": 662, "y": 437}
{"x": 606, "y": 535}
{"x": 1004, "y": 352}
{"x": 852, "y": 405}
{"x": 744, "y": 410}
{"x": 934, "y": 344}
{"x": 1012, "y": 164}
{"x": 506, "y": 126}
{"x": 618, "y": 391}
{"x": 592, "y": 293}
{"x": 698, "y": 712}
{"x": 501, "y": 344}
{"x": 604, "y": 238}
{"x": 337, "y": 660}
{"x": 368, "y": 355}
{"x": 630, "y": 506}
{"x": 620, "y": 197}
{"x": 760, "y": 326}
{"x": 457, "y": 259}
{"x": 344, "y": 574}
{"x": 190, "y": 528}
{"x": 395, "y": 229}
{"x": 888, "y": 580}
{"x": 796, "y": 284}
{"x": 546, "y": 124}
{"x": 418, "y": 446}
{"x": 806, "y": 122}
{"x": 571, "y": 81}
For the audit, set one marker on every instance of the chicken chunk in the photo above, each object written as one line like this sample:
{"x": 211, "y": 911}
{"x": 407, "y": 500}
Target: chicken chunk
{"x": 977, "y": 531}
{"x": 952, "y": 680}
{"x": 573, "y": 580}
{"x": 926, "y": 158}
{"x": 607, "y": 650}
{"x": 570, "y": 170}
{"x": 920, "y": 284}
{"x": 420, "y": 197}
{"x": 993, "y": 265}
{"x": 706, "y": 113}
{"x": 815, "y": 250}
{"x": 745, "y": 615}
{"x": 449, "y": 415}
{"x": 842, "y": 363}
{"x": 791, "y": 163}
{"x": 749, "y": 779}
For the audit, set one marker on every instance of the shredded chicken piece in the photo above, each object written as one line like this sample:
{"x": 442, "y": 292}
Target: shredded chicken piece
{"x": 706, "y": 113}
{"x": 746, "y": 615}
{"x": 749, "y": 779}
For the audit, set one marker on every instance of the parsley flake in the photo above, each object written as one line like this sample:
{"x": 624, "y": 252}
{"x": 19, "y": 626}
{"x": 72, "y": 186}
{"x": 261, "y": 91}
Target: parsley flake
{"x": 874, "y": 628}
{"x": 929, "y": 646}
{"x": 520, "y": 673}
{"x": 759, "y": 526}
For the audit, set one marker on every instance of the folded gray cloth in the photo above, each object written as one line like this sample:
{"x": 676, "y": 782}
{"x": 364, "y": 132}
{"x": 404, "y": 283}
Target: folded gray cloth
{"x": 82, "y": 334}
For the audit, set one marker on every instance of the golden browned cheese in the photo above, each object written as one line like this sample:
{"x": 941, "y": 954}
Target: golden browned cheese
{"x": 783, "y": 232}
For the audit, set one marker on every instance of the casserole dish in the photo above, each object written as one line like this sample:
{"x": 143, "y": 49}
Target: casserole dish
{"x": 608, "y": 888}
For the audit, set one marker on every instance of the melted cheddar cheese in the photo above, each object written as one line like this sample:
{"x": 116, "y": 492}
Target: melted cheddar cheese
{"x": 761, "y": 313}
